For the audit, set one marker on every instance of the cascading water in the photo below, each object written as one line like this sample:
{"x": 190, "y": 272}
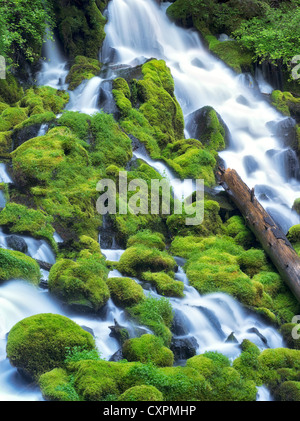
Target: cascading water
{"x": 139, "y": 30}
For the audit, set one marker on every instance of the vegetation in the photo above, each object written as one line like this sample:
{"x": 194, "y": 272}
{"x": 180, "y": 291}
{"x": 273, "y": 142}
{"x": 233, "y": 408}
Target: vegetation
{"x": 54, "y": 189}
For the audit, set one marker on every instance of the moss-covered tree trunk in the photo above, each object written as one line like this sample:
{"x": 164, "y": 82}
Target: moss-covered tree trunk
{"x": 272, "y": 239}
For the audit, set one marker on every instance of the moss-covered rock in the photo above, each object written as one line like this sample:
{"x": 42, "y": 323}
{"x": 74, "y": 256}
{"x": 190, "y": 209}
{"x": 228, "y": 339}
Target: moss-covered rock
{"x": 294, "y": 234}
{"x": 83, "y": 69}
{"x": 20, "y": 219}
{"x": 16, "y": 265}
{"x": 141, "y": 393}
{"x": 10, "y": 89}
{"x": 148, "y": 238}
{"x": 125, "y": 292}
{"x": 236, "y": 228}
{"x": 211, "y": 225}
{"x": 288, "y": 392}
{"x": 100, "y": 380}
{"x": 139, "y": 258}
{"x": 38, "y": 343}
{"x": 148, "y": 348}
{"x": 81, "y": 283}
{"x": 164, "y": 283}
{"x": 285, "y": 102}
{"x": 55, "y": 385}
{"x": 157, "y": 314}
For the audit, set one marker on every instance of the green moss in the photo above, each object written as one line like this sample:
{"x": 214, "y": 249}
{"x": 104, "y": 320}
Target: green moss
{"x": 148, "y": 238}
{"x": 5, "y": 144}
{"x": 139, "y": 258}
{"x": 43, "y": 99}
{"x": 99, "y": 380}
{"x": 211, "y": 224}
{"x": 157, "y": 314}
{"x": 122, "y": 95}
{"x": 79, "y": 123}
{"x": 253, "y": 261}
{"x": 20, "y": 219}
{"x": 287, "y": 330}
{"x": 10, "y": 89}
{"x": 288, "y": 392}
{"x": 235, "y": 227}
{"x": 125, "y": 291}
{"x": 80, "y": 28}
{"x": 148, "y": 348}
{"x": 16, "y": 265}
{"x": 186, "y": 246}
{"x": 83, "y": 69}
{"x": 283, "y": 101}
{"x": 141, "y": 393}
{"x": 56, "y": 386}
{"x": 234, "y": 54}
{"x": 81, "y": 283}
{"x": 38, "y": 343}
{"x": 164, "y": 284}
{"x": 10, "y": 117}
{"x": 294, "y": 234}
{"x": 175, "y": 383}
{"x": 56, "y": 169}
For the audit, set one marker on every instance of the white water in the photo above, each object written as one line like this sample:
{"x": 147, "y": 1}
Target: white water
{"x": 139, "y": 30}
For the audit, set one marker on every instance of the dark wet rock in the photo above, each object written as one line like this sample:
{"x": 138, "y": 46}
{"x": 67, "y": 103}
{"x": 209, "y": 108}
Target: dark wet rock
{"x": 119, "y": 332}
{"x": 184, "y": 348}
{"x": 286, "y": 131}
{"x": 179, "y": 324}
{"x": 257, "y": 332}
{"x": 232, "y": 339}
{"x": 89, "y": 330}
{"x": 106, "y": 99}
{"x": 17, "y": 243}
{"x": 197, "y": 124}
{"x": 250, "y": 164}
{"x": 117, "y": 356}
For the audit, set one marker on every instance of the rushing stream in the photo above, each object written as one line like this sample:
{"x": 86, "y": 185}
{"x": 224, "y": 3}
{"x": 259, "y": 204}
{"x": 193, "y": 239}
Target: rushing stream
{"x": 136, "y": 31}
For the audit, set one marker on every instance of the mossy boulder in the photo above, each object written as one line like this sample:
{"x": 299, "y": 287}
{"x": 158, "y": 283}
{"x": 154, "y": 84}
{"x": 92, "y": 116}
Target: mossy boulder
{"x": 20, "y": 219}
{"x": 38, "y": 343}
{"x": 125, "y": 292}
{"x": 288, "y": 392}
{"x": 253, "y": 261}
{"x": 139, "y": 258}
{"x": 10, "y": 117}
{"x": 81, "y": 283}
{"x": 148, "y": 348}
{"x": 226, "y": 383}
{"x": 155, "y": 313}
{"x": 148, "y": 238}
{"x": 294, "y": 234}
{"x": 99, "y": 380}
{"x": 211, "y": 225}
{"x": 286, "y": 103}
{"x": 83, "y": 69}
{"x": 165, "y": 284}
{"x": 55, "y": 385}
{"x": 16, "y": 265}
{"x": 141, "y": 393}
{"x": 236, "y": 228}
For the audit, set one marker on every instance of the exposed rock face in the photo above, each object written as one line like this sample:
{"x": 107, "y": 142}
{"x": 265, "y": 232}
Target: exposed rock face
{"x": 17, "y": 243}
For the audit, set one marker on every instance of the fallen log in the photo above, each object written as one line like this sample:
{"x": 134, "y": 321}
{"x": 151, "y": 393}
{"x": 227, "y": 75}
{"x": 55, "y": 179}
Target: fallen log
{"x": 270, "y": 236}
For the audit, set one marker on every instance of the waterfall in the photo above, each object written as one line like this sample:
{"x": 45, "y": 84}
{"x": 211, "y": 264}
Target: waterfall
{"x": 140, "y": 30}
